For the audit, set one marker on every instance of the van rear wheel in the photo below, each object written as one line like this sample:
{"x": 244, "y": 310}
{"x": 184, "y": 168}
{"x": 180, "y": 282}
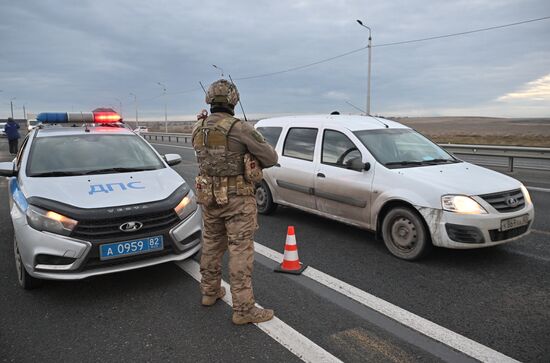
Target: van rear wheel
{"x": 405, "y": 234}
{"x": 264, "y": 199}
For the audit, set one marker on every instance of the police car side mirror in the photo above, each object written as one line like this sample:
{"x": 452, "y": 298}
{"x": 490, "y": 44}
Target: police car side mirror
{"x": 172, "y": 159}
{"x": 7, "y": 169}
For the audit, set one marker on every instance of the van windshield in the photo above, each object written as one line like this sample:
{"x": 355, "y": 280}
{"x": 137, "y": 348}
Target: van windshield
{"x": 402, "y": 148}
{"x": 70, "y": 155}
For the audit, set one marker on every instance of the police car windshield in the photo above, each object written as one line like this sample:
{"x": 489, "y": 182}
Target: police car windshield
{"x": 403, "y": 148}
{"x": 70, "y": 155}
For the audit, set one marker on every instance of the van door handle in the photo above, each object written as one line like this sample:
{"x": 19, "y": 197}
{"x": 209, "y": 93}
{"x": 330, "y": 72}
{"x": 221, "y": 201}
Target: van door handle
{"x": 321, "y": 175}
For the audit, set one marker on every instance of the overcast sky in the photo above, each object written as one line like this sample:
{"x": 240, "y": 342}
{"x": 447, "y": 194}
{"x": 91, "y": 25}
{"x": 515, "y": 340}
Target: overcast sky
{"x": 79, "y": 55}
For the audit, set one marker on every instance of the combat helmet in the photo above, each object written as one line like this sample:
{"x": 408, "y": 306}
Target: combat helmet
{"x": 222, "y": 92}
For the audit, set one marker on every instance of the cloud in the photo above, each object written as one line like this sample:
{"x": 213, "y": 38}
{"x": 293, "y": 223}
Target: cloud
{"x": 537, "y": 90}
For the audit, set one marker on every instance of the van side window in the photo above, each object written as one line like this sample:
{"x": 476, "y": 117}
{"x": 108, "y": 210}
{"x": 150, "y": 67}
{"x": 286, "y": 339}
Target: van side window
{"x": 300, "y": 143}
{"x": 271, "y": 134}
{"x": 338, "y": 149}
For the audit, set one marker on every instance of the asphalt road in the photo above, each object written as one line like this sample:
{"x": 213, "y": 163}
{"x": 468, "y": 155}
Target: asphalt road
{"x": 499, "y": 297}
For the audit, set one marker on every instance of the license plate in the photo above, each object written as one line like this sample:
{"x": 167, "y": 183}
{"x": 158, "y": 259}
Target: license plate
{"x": 512, "y": 223}
{"x": 129, "y": 248}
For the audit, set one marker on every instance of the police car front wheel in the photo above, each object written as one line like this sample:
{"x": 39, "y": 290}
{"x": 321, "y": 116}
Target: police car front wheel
{"x": 405, "y": 234}
{"x": 25, "y": 280}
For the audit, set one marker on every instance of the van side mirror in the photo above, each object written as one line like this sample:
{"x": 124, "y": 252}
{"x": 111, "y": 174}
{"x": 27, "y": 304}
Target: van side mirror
{"x": 8, "y": 169}
{"x": 172, "y": 159}
{"x": 357, "y": 165}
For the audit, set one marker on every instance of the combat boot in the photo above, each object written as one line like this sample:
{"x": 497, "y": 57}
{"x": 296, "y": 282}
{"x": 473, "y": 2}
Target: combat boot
{"x": 254, "y": 315}
{"x": 209, "y": 300}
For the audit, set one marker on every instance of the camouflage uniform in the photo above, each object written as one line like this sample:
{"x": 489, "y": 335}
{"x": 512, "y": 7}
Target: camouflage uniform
{"x": 228, "y": 203}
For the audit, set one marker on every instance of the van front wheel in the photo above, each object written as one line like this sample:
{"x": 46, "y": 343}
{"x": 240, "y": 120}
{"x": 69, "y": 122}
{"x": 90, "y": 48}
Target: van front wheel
{"x": 405, "y": 234}
{"x": 264, "y": 199}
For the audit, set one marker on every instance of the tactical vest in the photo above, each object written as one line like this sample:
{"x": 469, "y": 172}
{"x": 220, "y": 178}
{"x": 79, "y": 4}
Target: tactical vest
{"x": 211, "y": 145}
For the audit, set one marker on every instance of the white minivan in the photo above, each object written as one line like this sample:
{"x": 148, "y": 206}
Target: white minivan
{"x": 383, "y": 176}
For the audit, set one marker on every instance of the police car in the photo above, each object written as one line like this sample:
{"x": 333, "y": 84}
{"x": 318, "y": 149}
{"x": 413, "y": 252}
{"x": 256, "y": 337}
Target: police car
{"x": 94, "y": 199}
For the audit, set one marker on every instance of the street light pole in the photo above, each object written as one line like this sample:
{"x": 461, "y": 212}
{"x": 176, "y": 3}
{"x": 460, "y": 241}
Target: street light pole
{"x": 165, "y": 107}
{"x": 24, "y": 112}
{"x": 135, "y": 102}
{"x": 370, "y": 53}
{"x": 11, "y": 105}
{"x": 119, "y": 106}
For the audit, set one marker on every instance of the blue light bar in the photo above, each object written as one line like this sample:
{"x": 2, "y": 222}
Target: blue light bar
{"x": 53, "y": 117}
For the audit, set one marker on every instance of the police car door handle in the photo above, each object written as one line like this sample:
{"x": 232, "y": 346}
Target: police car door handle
{"x": 321, "y": 175}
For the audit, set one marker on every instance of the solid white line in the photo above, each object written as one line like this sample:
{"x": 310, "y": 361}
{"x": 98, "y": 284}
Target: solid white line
{"x": 537, "y": 189}
{"x": 277, "y": 329}
{"x": 541, "y": 232}
{"x": 413, "y": 321}
{"x": 181, "y": 147}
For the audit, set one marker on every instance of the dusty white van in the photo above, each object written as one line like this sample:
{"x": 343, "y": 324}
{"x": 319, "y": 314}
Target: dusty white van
{"x": 386, "y": 177}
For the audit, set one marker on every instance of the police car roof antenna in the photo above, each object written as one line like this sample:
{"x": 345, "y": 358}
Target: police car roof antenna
{"x": 240, "y": 103}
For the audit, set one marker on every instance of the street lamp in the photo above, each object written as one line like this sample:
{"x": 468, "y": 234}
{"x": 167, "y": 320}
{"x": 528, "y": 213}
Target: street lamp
{"x": 218, "y": 68}
{"x": 135, "y": 102}
{"x": 370, "y": 52}
{"x": 24, "y": 111}
{"x": 165, "y": 107}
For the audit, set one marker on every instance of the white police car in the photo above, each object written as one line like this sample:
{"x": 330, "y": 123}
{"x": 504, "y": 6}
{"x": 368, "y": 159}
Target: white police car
{"x": 96, "y": 199}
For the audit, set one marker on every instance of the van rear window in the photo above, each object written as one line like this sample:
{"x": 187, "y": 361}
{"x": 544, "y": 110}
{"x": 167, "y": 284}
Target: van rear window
{"x": 271, "y": 134}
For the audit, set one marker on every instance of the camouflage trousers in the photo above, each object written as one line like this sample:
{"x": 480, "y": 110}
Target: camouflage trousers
{"x": 231, "y": 227}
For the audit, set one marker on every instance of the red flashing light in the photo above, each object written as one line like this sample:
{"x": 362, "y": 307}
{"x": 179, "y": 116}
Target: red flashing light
{"x": 106, "y": 117}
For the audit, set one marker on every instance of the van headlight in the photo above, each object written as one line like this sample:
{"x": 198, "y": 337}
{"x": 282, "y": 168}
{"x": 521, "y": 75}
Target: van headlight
{"x": 461, "y": 204}
{"x": 526, "y": 195}
{"x": 187, "y": 205}
{"x": 44, "y": 220}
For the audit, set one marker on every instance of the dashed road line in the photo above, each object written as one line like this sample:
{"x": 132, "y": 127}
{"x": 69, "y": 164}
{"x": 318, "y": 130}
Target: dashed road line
{"x": 537, "y": 189}
{"x": 277, "y": 329}
{"x": 413, "y": 321}
{"x": 541, "y": 232}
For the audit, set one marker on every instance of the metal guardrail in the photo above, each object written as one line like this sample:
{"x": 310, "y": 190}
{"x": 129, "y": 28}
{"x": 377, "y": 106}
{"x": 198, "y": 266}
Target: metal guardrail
{"x": 510, "y": 157}
{"x": 161, "y": 136}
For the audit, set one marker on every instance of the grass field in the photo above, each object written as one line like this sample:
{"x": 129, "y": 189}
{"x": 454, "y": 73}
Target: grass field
{"x": 482, "y": 130}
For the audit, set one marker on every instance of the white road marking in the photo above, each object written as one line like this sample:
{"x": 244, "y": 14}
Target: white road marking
{"x": 181, "y": 147}
{"x": 541, "y": 232}
{"x": 277, "y": 329}
{"x": 537, "y": 189}
{"x": 413, "y": 321}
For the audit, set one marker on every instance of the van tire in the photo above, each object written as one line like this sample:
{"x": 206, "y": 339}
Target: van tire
{"x": 25, "y": 280}
{"x": 405, "y": 234}
{"x": 264, "y": 199}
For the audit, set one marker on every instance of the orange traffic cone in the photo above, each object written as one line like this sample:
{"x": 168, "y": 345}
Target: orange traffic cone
{"x": 291, "y": 262}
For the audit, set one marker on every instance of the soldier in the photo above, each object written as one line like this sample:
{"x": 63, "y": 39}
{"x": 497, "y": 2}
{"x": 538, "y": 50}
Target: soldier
{"x": 225, "y": 190}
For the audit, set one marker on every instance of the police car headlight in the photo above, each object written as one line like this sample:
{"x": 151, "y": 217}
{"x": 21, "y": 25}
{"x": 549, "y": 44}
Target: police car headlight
{"x": 187, "y": 205}
{"x": 44, "y": 220}
{"x": 461, "y": 204}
